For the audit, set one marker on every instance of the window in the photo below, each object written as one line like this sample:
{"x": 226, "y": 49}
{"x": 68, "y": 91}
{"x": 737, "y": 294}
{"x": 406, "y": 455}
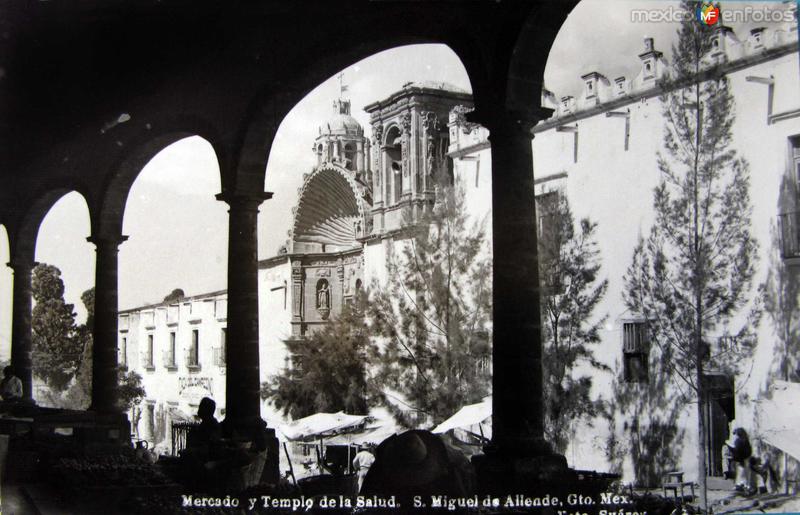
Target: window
{"x": 219, "y": 352}
{"x": 635, "y": 344}
{"x": 796, "y": 162}
{"x": 193, "y": 359}
{"x": 350, "y": 156}
{"x": 590, "y": 93}
{"x": 169, "y": 359}
{"x": 123, "y": 352}
{"x": 789, "y": 220}
{"x": 148, "y": 358}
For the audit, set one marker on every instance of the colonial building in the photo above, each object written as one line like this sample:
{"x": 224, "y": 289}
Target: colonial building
{"x": 600, "y": 150}
{"x": 350, "y": 210}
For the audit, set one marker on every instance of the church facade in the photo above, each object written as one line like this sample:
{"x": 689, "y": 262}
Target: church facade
{"x": 351, "y": 209}
{"x": 599, "y": 150}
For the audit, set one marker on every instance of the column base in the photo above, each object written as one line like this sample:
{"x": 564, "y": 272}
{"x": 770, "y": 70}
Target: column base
{"x": 503, "y": 473}
{"x": 511, "y": 474}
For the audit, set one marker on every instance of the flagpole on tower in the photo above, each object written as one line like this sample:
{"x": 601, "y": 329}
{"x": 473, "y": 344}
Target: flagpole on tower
{"x": 342, "y": 86}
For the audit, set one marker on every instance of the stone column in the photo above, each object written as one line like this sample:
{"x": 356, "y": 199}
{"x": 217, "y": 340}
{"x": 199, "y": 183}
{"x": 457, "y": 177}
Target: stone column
{"x": 105, "y": 387}
{"x": 242, "y": 379}
{"x": 518, "y": 413}
{"x": 518, "y": 456}
{"x": 21, "y": 345}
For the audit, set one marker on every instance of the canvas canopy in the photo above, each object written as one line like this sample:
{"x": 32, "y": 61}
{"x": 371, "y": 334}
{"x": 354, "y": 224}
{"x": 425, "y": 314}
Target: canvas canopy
{"x": 779, "y": 418}
{"x": 468, "y": 417}
{"x": 322, "y": 425}
{"x": 369, "y": 435}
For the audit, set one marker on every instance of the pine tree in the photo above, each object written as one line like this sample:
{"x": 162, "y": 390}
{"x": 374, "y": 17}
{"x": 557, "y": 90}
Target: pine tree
{"x": 693, "y": 274}
{"x": 79, "y": 395}
{"x": 433, "y": 315}
{"x": 782, "y": 306}
{"x": 56, "y": 346}
{"x": 329, "y": 369}
{"x": 569, "y": 265}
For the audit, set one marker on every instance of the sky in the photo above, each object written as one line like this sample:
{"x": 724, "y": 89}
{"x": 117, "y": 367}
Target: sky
{"x": 178, "y": 231}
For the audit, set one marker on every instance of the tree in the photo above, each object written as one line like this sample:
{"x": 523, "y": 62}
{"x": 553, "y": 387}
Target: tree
{"x": 79, "y": 395}
{"x": 782, "y": 306}
{"x": 692, "y": 275}
{"x": 433, "y": 315}
{"x": 328, "y": 372}
{"x": 569, "y": 266}
{"x": 175, "y": 295}
{"x": 56, "y": 345}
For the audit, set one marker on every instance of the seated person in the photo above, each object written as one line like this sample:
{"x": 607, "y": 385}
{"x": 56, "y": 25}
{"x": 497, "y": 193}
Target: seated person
{"x": 209, "y": 430}
{"x": 10, "y": 386}
{"x": 203, "y": 443}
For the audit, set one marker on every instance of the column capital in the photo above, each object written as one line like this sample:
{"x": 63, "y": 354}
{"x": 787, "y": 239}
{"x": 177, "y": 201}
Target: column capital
{"x": 107, "y": 240}
{"x": 502, "y": 120}
{"x": 20, "y": 264}
{"x": 251, "y": 200}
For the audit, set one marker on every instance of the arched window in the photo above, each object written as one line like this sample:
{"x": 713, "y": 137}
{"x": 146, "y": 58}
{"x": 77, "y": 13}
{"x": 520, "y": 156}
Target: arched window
{"x": 393, "y": 156}
{"x": 350, "y": 156}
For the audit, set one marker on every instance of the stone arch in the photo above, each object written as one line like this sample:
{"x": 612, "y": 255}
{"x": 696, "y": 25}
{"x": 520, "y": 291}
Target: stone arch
{"x": 4, "y": 242}
{"x": 110, "y": 208}
{"x": 525, "y": 76}
{"x": 22, "y": 242}
{"x": 330, "y": 205}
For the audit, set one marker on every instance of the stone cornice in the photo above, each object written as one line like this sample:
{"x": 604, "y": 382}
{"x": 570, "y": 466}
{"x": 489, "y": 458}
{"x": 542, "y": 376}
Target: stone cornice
{"x": 631, "y": 98}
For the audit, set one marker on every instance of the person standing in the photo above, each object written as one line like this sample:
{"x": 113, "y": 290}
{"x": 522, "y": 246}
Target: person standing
{"x": 362, "y": 462}
{"x": 740, "y": 453}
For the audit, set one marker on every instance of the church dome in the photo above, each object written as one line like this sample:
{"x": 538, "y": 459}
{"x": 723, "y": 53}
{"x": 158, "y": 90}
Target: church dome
{"x": 341, "y": 123}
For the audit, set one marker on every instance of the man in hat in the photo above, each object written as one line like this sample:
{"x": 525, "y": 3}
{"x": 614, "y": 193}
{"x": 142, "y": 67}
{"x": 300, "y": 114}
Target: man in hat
{"x": 416, "y": 463}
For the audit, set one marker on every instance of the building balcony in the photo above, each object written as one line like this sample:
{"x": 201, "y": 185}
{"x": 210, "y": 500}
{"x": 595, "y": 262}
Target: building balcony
{"x": 789, "y": 225}
{"x": 192, "y": 362}
{"x": 168, "y": 358}
{"x": 219, "y": 356}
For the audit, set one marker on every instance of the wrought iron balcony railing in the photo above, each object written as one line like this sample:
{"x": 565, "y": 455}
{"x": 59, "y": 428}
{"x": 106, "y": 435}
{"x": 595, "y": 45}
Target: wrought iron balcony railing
{"x": 790, "y": 234}
{"x": 219, "y": 356}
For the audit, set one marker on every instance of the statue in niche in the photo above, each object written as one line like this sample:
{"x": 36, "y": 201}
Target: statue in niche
{"x": 323, "y": 299}
{"x": 431, "y": 125}
{"x": 431, "y": 156}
